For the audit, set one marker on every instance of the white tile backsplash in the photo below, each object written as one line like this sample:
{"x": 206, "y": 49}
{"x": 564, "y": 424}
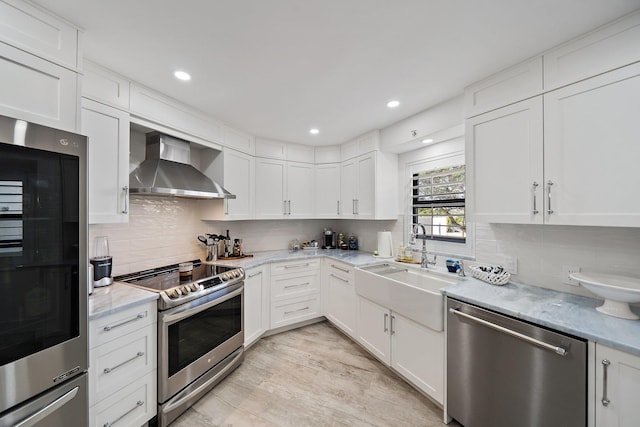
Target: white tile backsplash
{"x": 542, "y": 250}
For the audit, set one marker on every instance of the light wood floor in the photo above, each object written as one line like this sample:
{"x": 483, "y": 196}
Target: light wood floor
{"x": 311, "y": 376}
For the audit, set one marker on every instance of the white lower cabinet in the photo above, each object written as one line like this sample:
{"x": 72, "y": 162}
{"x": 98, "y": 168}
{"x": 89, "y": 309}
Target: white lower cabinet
{"x": 256, "y": 304}
{"x": 340, "y": 296}
{"x": 294, "y": 292}
{"x": 123, "y": 367}
{"x": 617, "y": 386}
{"x": 411, "y": 349}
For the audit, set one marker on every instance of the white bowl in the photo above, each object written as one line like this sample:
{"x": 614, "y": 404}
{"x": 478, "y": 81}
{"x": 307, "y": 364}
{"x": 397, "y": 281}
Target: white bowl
{"x": 617, "y": 291}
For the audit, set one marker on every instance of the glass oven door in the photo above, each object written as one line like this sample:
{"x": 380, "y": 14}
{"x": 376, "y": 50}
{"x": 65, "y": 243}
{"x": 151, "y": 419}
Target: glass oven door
{"x": 196, "y": 336}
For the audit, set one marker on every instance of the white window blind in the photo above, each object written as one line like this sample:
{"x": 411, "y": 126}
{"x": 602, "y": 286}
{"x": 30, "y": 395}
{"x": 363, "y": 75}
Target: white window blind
{"x": 438, "y": 202}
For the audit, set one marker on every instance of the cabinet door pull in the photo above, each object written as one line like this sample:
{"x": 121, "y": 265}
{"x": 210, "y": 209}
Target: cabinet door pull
{"x": 535, "y": 190}
{"x": 287, "y": 267}
{"x": 357, "y": 206}
{"x": 125, "y": 193}
{"x": 392, "y": 330}
{"x": 386, "y": 317}
{"x": 338, "y": 211}
{"x": 255, "y": 274}
{"x": 346, "y": 270}
{"x": 549, "y": 210}
{"x": 353, "y": 206}
{"x": 339, "y": 278}
{"x": 110, "y": 327}
{"x": 284, "y": 207}
{"x": 296, "y": 311}
{"x": 297, "y": 285}
{"x": 109, "y": 370}
{"x": 605, "y": 367}
{"x": 139, "y": 403}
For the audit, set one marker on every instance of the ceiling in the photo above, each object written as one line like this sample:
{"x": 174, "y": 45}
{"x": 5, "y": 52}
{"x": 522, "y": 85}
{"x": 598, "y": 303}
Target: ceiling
{"x": 276, "y": 68}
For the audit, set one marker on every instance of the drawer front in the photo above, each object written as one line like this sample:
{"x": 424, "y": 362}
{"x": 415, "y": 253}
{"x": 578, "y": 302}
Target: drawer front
{"x": 295, "y": 266}
{"x": 293, "y": 285}
{"x": 133, "y": 405}
{"x": 296, "y": 310}
{"x": 339, "y": 269}
{"x": 114, "y": 364}
{"x": 108, "y": 328}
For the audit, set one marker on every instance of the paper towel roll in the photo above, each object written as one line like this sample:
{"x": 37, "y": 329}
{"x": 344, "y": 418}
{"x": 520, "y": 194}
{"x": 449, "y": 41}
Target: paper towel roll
{"x": 385, "y": 246}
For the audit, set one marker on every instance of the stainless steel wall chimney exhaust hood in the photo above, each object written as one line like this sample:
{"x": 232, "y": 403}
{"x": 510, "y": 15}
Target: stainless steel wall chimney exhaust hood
{"x": 166, "y": 171}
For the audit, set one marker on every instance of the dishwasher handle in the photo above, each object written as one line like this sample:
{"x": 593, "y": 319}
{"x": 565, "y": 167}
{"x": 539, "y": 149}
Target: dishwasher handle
{"x": 558, "y": 350}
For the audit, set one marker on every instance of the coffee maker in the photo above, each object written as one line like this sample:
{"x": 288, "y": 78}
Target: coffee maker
{"x": 102, "y": 262}
{"x": 329, "y": 239}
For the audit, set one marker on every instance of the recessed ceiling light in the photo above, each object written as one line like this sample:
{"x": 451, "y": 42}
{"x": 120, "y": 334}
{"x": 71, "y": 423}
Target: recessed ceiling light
{"x": 182, "y": 75}
{"x": 314, "y": 131}
{"x": 393, "y": 104}
{"x": 427, "y": 141}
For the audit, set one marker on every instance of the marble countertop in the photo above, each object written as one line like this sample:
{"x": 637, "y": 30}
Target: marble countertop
{"x": 116, "y": 297}
{"x": 568, "y": 313}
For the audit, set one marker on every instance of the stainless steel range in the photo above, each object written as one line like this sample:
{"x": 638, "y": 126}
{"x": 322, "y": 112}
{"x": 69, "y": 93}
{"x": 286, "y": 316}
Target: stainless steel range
{"x": 200, "y": 329}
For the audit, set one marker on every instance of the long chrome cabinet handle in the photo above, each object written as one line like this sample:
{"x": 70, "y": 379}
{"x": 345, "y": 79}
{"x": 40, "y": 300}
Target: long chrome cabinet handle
{"x": 284, "y": 207}
{"x": 605, "y": 367}
{"x": 386, "y": 317}
{"x": 119, "y": 365}
{"x": 392, "y": 319}
{"x": 346, "y": 270}
{"x": 139, "y": 403}
{"x": 338, "y": 211}
{"x": 357, "y": 206}
{"x": 353, "y": 206}
{"x": 49, "y": 409}
{"x": 339, "y": 278}
{"x": 297, "y": 311}
{"x": 287, "y": 267}
{"x": 125, "y": 193}
{"x": 288, "y": 207}
{"x": 297, "y": 285}
{"x": 549, "y": 210}
{"x": 535, "y": 190}
{"x": 255, "y": 274}
{"x": 110, "y": 327}
{"x": 558, "y": 350}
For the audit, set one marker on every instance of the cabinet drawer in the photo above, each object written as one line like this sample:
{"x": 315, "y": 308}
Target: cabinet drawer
{"x": 341, "y": 270}
{"x": 295, "y": 310}
{"x": 293, "y": 285}
{"x": 108, "y": 328}
{"x": 295, "y": 266}
{"x": 133, "y": 405}
{"x": 114, "y": 364}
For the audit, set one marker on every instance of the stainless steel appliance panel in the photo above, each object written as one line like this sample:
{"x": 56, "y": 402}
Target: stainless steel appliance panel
{"x": 65, "y": 405}
{"x": 196, "y": 336}
{"x": 43, "y": 314}
{"x": 503, "y": 372}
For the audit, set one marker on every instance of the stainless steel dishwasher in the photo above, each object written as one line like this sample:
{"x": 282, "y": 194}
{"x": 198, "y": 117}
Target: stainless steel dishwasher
{"x": 506, "y": 372}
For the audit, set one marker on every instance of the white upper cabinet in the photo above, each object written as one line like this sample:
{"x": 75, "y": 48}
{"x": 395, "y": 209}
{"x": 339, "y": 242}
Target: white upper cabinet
{"x": 363, "y": 144}
{"x": 102, "y": 85}
{"x": 369, "y": 186}
{"x": 591, "y": 151}
{"x": 506, "y": 87}
{"x": 300, "y": 196}
{"x": 167, "y": 112}
{"x": 240, "y": 141}
{"x": 36, "y": 31}
{"x": 283, "y": 189}
{"x": 271, "y": 149}
{"x": 327, "y": 154}
{"x": 327, "y": 190}
{"x": 504, "y": 164}
{"x": 37, "y": 90}
{"x": 604, "y": 49}
{"x": 108, "y": 131}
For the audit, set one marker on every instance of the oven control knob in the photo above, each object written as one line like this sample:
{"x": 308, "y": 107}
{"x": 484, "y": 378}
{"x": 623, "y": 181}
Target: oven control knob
{"x": 193, "y": 287}
{"x": 185, "y": 290}
{"x": 224, "y": 276}
{"x": 238, "y": 273}
{"x": 173, "y": 293}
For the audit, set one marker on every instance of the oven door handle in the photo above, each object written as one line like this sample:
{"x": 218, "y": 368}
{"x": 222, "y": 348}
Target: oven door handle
{"x": 180, "y": 312}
